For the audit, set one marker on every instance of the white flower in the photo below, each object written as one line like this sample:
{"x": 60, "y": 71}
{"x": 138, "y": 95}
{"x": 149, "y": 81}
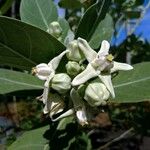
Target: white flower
{"x": 101, "y": 64}
{"x": 55, "y": 29}
{"x": 96, "y": 94}
{"x": 54, "y": 105}
{"x": 79, "y": 109}
{"x": 74, "y": 53}
{"x": 46, "y": 72}
{"x": 61, "y": 83}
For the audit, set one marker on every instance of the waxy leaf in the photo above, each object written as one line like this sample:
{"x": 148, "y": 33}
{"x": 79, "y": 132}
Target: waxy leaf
{"x": 11, "y": 81}
{"x": 65, "y": 28}
{"x": 133, "y": 86}
{"x": 24, "y": 46}
{"x": 104, "y": 31}
{"x": 75, "y": 4}
{"x": 38, "y": 12}
{"x": 31, "y": 140}
{"x": 91, "y": 19}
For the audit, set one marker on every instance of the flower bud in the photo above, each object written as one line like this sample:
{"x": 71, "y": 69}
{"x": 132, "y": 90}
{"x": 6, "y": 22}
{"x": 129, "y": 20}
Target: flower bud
{"x": 74, "y": 53}
{"x": 55, "y": 29}
{"x": 96, "y": 94}
{"x": 73, "y": 68}
{"x": 42, "y": 71}
{"x": 61, "y": 83}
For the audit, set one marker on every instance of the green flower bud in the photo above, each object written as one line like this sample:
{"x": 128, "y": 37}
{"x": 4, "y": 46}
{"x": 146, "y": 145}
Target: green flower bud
{"x": 61, "y": 83}
{"x": 74, "y": 53}
{"x": 55, "y": 29}
{"x": 73, "y": 68}
{"x": 96, "y": 94}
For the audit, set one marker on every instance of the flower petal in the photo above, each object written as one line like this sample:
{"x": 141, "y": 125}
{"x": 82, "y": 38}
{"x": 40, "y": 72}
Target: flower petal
{"x": 89, "y": 53}
{"x": 104, "y": 50}
{"x": 84, "y": 76}
{"x": 120, "y": 66}
{"x": 76, "y": 99}
{"x": 79, "y": 107}
{"x": 55, "y": 61}
{"x": 47, "y": 106}
{"x": 106, "y": 79}
{"x": 66, "y": 114}
{"x": 56, "y": 107}
{"x": 42, "y": 71}
{"x": 81, "y": 116}
{"x": 44, "y": 96}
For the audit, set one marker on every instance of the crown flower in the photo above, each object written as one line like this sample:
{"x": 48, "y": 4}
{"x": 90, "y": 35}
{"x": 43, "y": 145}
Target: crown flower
{"x": 100, "y": 65}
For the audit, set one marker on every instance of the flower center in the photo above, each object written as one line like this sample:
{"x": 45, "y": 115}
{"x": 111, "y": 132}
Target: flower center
{"x": 103, "y": 62}
{"x": 110, "y": 57}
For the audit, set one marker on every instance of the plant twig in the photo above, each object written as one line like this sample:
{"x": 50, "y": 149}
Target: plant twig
{"x": 116, "y": 139}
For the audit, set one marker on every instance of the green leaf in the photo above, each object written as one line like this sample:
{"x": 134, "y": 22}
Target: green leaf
{"x": 64, "y": 122}
{"x": 133, "y": 86}
{"x": 91, "y": 19}
{"x": 5, "y": 7}
{"x": 31, "y": 140}
{"x": 11, "y": 81}
{"x": 24, "y": 46}
{"x": 75, "y": 4}
{"x": 65, "y": 28}
{"x": 104, "y": 31}
{"x": 39, "y": 13}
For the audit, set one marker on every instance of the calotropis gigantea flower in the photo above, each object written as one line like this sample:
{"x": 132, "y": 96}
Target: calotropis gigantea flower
{"x": 96, "y": 94}
{"x": 78, "y": 109}
{"x": 61, "y": 83}
{"x": 100, "y": 65}
{"x": 54, "y": 105}
{"x": 74, "y": 53}
{"x": 55, "y": 29}
{"x": 46, "y": 72}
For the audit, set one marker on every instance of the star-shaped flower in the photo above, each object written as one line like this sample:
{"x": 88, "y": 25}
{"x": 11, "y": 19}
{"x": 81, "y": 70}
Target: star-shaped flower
{"x": 46, "y": 72}
{"x": 100, "y": 65}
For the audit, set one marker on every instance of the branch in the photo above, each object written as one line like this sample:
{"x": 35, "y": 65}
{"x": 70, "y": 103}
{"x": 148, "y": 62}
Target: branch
{"x": 116, "y": 139}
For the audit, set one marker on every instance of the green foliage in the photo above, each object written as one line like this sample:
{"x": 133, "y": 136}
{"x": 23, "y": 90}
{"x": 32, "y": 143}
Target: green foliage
{"x": 104, "y": 31}
{"x": 31, "y": 140}
{"x": 70, "y": 4}
{"x": 133, "y": 86}
{"x": 43, "y": 13}
{"x": 12, "y": 81}
{"x": 24, "y": 46}
{"x": 6, "y": 6}
{"x": 91, "y": 19}
{"x": 68, "y": 136}
{"x": 38, "y": 13}
{"x": 65, "y": 28}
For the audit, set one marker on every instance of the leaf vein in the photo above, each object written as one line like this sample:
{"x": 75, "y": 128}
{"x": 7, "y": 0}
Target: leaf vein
{"x": 21, "y": 83}
{"x": 132, "y": 82}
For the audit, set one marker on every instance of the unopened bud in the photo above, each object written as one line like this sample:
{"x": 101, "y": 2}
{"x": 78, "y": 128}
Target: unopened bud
{"x": 96, "y": 94}
{"x": 61, "y": 83}
{"x": 74, "y": 53}
{"x": 73, "y": 68}
{"x": 55, "y": 29}
{"x": 42, "y": 71}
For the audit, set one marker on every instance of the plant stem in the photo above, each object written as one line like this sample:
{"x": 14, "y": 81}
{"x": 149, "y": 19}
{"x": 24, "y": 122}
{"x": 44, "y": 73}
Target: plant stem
{"x": 116, "y": 139}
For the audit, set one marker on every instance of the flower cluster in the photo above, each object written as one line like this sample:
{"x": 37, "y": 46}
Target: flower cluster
{"x": 83, "y": 85}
